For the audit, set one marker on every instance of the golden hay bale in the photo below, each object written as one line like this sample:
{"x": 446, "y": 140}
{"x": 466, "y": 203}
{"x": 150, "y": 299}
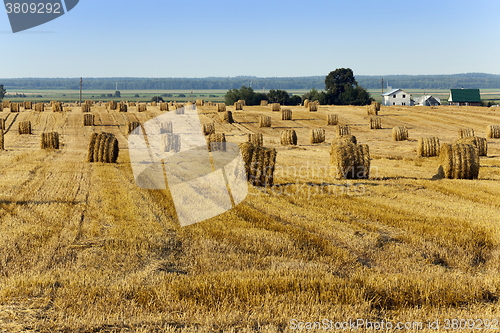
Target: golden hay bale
{"x": 85, "y": 107}
{"x": 317, "y": 135}
{"x": 256, "y": 139}
{"x": 89, "y": 103}
{"x": 306, "y": 103}
{"x": 131, "y": 104}
{"x": 57, "y": 107}
{"x": 343, "y": 130}
{"x": 313, "y": 107}
{"x": 465, "y": 132}
{"x": 264, "y": 121}
{"x": 189, "y": 103}
{"x": 286, "y": 114}
{"x": 275, "y": 107}
{"x": 132, "y": 126}
{"x": 345, "y": 138}
{"x": 6, "y": 104}
{"x": 122, "y": 107}
{"x": 163, "y": 107}
{"x": 216, "y": 142}
{"x": 238, "y": 106}
{"x": 221, "y": 107}
{"x": 112, "y": 105}
{"x": 288, "y": 137}
{"x": 372, "y": 110}
{"x": 103, "y": 148}
{"x": 332, "y": 119}
{"x": 428, "y": 147}
{"x": 242, "y": 102}
{"x": 458, "y": 161}
{"x": 375, "y": 123}
{"x": 259, "y": 164}
{"x": 14, "y": 107}
{"x": 263, "y": 102}
{"x": 208, "y": 128}
{"x": 49, "y": 140}
{"x": 171, "y": 142}
{"x": 316, "y": 102}
{"x": 226, "y": 117}
{"x": 24, "y": 127}
{"x": 166, "y": 127}
{"x": 28, "y": 105}
{"x": 480, "y": 143}
{"x": 493, "y": 131}
{"x": 142, "y": 108}
{"x": 88, "y": 119}
{"x": 400, "y": 133}
{"x": 351, "y": 161}
{"x": 199, "y": 102}
{"x": 153, "y": 103}
{"x": 39, "y": 107}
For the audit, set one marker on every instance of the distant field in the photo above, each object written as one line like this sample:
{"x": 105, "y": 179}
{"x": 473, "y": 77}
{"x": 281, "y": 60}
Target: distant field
{"x": 487, "y": 95}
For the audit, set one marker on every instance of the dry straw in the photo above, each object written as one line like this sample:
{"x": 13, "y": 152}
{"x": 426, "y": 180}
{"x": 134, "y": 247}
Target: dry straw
{"x": 459, "y": 161}
{"x": 221, "y": 107}
{"x": 264, "y": 103}
{"x": 480, "y": 143}
{"x": 428, "y": 147}
{"x": 88, "y": 120}
{"x": 275, "y": 107}
{"x": 373, "y": 109}
{"x": 199, "y": 102}
{"x": 313, "y": 107}
{"x": 208, "y": 128}
{"x": 306, "y": 103}
{"x": 142, "y": 108}
{"x": 286, "y": 114}
{"x": 112, "y": 105}
{"x": 493, "y": 131}
{"x": 122, "y": 107}
{"x": 400, "y": 133}
{"x": 14, "y": 107}
{"x": 85, "y": 107}
{"x": 216, "y": 142}
{"x": 131, "y": 104}
{"x": 238, "y": 106}
{"x": 226, "y": 117}
{"x": 256, "y": 139}
{"x": 264, "y": 121}
{"x": 39, "y": 107}
{"x": 57, "y": 107}
{"x": 343, "y": 130}
{"x": 332, "y": 119}
{"x": 28, "y": 105}
{"x": 24, "y": 127}
{"x": 49, "y": 140}
{"x": 163, "y": 107}
{"x": 465, "y": 132}
{"x": 89, "y": 103}
{"x": 2, "y": 141}
{"x": 242, "y": 102}
{"x": 288, "y": 137}
{"x": 316, "y": 102}
{"x": 166, "y": 127}
{"x": 375, "y": 123}
{"x": 179, "y": 109}
{"x": 132, "y": 126}
{"x": 6, "y": 104}
{"x": 317, "y": 135}
{"x": 103, "y": 147}
{"x": 350, "y": 161}
{"x": 345, "y": 138}
{"x": 171, "y": 142}
{"x": 259, "y": 164}
{"x": 153, "y": 103}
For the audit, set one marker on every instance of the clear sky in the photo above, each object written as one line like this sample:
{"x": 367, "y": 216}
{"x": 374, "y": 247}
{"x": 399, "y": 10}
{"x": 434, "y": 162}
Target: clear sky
{"x": 192, "y": 38}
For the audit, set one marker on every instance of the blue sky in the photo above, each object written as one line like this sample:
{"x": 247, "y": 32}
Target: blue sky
{"x": 190, "y": 38}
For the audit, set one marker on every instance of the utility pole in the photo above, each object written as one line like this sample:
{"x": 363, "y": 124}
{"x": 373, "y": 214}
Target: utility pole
{"x": 81, "y": 79}
{"x": 382, "y": 86}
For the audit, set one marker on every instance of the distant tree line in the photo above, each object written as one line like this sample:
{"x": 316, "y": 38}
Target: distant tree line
{"x": 472, "y": 80}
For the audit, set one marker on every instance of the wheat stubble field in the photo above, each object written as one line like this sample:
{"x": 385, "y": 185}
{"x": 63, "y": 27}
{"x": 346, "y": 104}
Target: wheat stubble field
{"x": 83, "y": 249}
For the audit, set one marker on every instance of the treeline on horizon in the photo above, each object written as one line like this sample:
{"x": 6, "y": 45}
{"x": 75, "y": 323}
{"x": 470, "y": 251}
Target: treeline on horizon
{"x": 471, "y": 80}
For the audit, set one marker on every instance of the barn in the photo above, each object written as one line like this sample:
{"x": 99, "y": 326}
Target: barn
{"x": 461, "y": 97}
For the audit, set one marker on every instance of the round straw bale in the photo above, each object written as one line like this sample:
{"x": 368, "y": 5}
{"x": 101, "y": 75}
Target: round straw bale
{"x": 216, "y": 142}
{"x": 238, "y": 106}
{"x": 264, "y": 121}
{"x": 85, "y": 107}
{"x": 88, "y": 119}
{"x": 141, "y": 108}
{"x": 459, "y": 161}
{"x": 221, "y": 107}
{"x": 332, "y": 119}
{"x": 306, "y": 103}
{"x": 400, "y": 133}
{"x": 375, "y": 123}
{"x": 163, "y": 107}
{"x": 350, "y": 161}
{"x": 313, "y": 107}
{"x": 259, "y": 163}
{"x": 39, "y": 107}
{"x": 131, "y": 104}
{"x": 28, "y": 105}
{"x": 344, "y": 138}
{"x": 275, "y": 107}
{"x": 288, "y": 137}
{"x": 465, "y": 132}
{"x": 208, "y": 128}
{"x": 24, "y": 127}
{"x": 493, "y": 131}
{"x": 286, "y": 114}
{"x": 132, "y": 126}
{"x": 317, "y": 135}
{"x": 480, "y": 143}
{"x": 263, "y": 103}
{"x": 226, "y": 117}
{"x": 343, "y": 130}
{"x": 122, "y": 107}
{"x": 256, "y": 139}
{"x": 428, "y": 147}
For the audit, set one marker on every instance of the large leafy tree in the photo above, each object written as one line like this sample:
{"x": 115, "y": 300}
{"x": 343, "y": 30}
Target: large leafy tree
{"x": 339, "y": 80}
{"x": 343, "y": 89}
{"x": 245, "y": 93}
{"x": 2, "y": 92}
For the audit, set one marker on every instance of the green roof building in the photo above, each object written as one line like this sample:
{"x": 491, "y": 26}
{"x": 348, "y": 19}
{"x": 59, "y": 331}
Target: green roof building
{"x": 459, "y": 97}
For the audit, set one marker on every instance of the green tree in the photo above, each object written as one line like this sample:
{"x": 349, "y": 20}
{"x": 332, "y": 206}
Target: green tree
{"x": 339, "y": 80}
{"x": 157, "y": 99}
{"x": 278, "y": 96}
{"x": 117, "y": 93}
{"x": 2, "y": 92}
{"x": 245, "y": 93}
{"x": 343, "y": 89}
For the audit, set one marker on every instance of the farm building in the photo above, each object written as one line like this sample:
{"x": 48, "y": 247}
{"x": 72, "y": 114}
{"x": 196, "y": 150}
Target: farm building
{"x": 396, "y": 97}
{"x": 427, "y": 100}
{"x": 460, "y": 97}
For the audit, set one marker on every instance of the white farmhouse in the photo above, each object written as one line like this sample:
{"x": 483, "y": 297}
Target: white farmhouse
{"x": 396, "y": 97}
